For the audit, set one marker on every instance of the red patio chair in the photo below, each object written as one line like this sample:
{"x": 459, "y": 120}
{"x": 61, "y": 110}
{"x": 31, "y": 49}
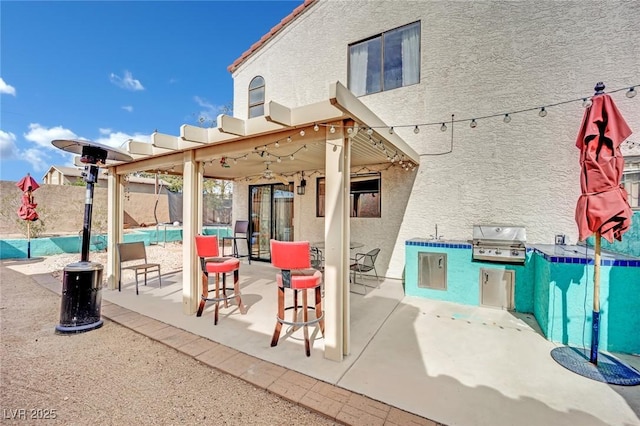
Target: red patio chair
{"x": 211, "y": 263}
{"x": 292, "y": 258}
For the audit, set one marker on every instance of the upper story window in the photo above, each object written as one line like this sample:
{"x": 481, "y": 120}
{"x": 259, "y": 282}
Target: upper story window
{"x": 386, "y": 61}
{"x": 256, "y": 97}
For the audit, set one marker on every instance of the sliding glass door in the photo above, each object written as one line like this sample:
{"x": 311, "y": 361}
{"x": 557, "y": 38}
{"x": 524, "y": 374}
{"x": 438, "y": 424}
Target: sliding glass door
{"x": 271, "y": 212}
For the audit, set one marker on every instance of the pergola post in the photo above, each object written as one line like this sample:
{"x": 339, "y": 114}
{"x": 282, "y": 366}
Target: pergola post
{"x": 115, "y": 225}
{"x": 336, "y": 235}
{"x": 191, "y": 226}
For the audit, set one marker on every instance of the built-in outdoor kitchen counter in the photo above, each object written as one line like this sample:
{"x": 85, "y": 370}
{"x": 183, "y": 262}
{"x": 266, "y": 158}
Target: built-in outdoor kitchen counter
{"x": 555, "y": 283}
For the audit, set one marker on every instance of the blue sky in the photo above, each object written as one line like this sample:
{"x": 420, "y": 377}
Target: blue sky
{"x": 110, "y": 71}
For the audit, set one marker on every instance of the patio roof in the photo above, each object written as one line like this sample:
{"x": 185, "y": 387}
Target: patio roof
{"x": 239, "y": 148}
{"x": 242, "y": 149}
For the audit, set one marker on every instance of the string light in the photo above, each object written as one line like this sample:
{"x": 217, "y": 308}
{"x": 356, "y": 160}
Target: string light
{"x": 630, "y": 93}
{"x": 302, "y": 132}
{"x": 277, "y": 144}
{"x": 473, "y": 124}
{"x": 507, "y": 118}
{"x": 369, "y": 131}
{"x": 332, "y": 129}
{"x": 288, "y": 139}
{"x": 391, "y": 130}
{"x": 316, "y": 127}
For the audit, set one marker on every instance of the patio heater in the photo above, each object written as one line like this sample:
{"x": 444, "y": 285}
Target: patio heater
{"x": 82, "y": 281}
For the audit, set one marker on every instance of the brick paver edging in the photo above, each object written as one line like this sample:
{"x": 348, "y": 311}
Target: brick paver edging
{"x": 324, "y": 398}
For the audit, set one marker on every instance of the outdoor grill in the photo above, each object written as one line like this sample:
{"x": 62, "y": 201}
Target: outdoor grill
{"x": 499, "y": 243}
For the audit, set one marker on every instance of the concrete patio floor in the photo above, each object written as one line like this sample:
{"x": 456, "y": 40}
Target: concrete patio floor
{"x": 453, "y": 364}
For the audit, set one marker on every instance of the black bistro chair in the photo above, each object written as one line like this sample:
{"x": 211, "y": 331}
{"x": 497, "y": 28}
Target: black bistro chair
{"x": 240, "y": 232}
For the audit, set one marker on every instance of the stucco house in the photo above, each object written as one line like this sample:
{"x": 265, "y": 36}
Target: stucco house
{"x": 404, "y": 120}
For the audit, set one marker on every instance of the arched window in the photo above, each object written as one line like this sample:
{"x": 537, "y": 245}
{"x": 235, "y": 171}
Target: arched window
{"x": 256, "y": 97}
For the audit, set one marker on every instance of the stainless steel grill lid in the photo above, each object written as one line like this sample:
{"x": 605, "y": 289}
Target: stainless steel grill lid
{"x": 499, "y": 243}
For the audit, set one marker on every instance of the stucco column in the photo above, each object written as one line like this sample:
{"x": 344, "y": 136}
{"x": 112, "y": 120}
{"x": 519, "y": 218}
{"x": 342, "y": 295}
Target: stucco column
{"x": 336, "y": 235}
{"x": 191, "y": 225}
{"x": 115, "y": 225}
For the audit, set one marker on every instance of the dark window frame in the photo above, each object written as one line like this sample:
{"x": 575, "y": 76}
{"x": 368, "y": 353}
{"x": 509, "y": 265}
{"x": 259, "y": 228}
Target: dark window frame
{"x": 257, "y": 83}
{"x": 381, "y": 37}
{"x": 369, "y": 184}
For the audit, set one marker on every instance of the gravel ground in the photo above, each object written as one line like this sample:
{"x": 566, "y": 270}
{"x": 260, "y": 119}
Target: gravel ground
{"x": 112, "y": 375}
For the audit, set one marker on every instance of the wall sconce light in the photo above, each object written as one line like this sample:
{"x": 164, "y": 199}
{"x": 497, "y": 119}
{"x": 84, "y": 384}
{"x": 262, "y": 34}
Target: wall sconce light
{"x": 301, "y": 188}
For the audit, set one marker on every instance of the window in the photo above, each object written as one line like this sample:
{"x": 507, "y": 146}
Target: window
{"x": 364, "y": 196}
{"x": 631, "y": 182}
{"x": 256, "y": 97}
{"x": 386, "y": 61}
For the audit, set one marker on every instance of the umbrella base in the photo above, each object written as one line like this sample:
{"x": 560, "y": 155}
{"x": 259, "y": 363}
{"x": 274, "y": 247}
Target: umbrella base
{"x": 609, "y": 369}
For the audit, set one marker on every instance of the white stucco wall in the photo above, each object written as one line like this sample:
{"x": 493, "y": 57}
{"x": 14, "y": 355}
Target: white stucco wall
{"x": 478, "y": 59}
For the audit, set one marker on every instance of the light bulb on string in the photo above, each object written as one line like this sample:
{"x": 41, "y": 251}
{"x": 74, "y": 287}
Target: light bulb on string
{"x": 586, "y": 102}
{"x": 332, "y": 129}
{"x": 291, "y": 157}
{"x": 289, "y": 139}
{"x": 416, "y": 130}
{"x": 443, "y": 128}
{"x": 631, "y": 92}
{"x": 315, "y": 127}
{"x": 305, "y": 148}
{"x": 301, "y": 132}
{"x": 391, "y": 130}
{"x": 279, "y": 160}
{"x": 473, "y": 123}
{"x": 369, "y": 131}
{"x": 507, "y": 118}
{"x": 543, "y": 112}
{"x": 277, "y": 144}
{"x": 349, "y": 130}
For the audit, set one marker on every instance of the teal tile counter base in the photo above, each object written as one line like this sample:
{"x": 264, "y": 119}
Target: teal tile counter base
{"x": 564, "y": 297}
{"x": 555, "y": 284}
{"x": 463, "y": 276}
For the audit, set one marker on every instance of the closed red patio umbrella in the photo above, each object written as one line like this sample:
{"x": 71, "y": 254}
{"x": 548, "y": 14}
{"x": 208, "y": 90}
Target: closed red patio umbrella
{"x": 602, "y": 209}
{"x": 27, "y": 210}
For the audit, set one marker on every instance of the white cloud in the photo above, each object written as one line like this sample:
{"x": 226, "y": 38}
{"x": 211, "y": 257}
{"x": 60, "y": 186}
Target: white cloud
{"x": 209, "y": 114}
{"x": 127, "y": 108}
{"x": 8, "y": 148}
{"x": 104, "y": 131}
{"x": 119, "y": 139}
{"x": 38, "y": 159}
{"x": 126, "y": 81}
{"x": 6, "y": 88}
{"x": 42, "y": 136}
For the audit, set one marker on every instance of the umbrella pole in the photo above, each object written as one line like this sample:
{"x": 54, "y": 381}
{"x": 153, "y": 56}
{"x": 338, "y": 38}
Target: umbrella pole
{"x": 28, "y": 240}
{"x": 595, "y": 330}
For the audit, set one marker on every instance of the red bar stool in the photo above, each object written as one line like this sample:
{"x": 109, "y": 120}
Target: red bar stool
{"x": 212, "y": 263}
{"x": 293, "y": 260}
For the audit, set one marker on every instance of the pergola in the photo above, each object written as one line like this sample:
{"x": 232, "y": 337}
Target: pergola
{"x": 331, "y": 136}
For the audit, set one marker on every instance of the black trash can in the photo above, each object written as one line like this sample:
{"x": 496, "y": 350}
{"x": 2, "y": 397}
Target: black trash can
{"x": 81, "y": 298}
